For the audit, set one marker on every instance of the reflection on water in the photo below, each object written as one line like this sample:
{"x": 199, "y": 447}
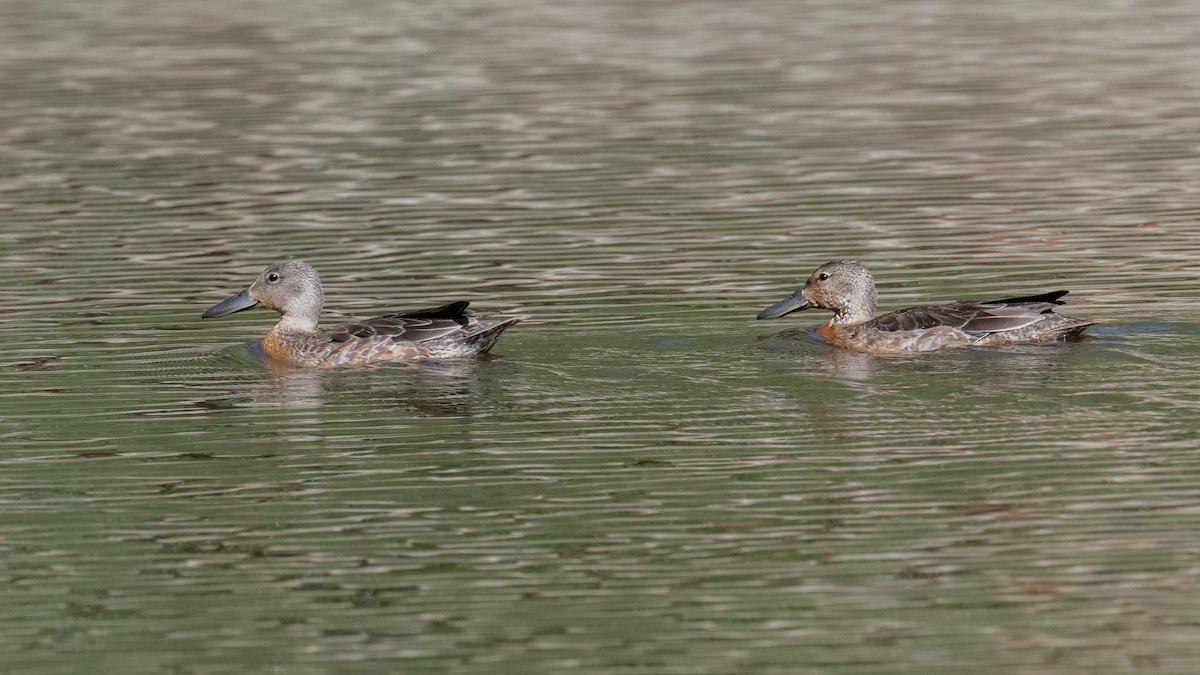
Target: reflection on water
{"x": 643, "y": 478}
{"x": 805, "y": 349}
{"x": 433, "y": 388}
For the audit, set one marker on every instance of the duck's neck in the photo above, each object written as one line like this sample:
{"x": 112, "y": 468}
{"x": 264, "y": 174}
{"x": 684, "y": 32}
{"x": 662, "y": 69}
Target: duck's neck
{"x": 296, "y": 323}
{"x": 853, "y": 313}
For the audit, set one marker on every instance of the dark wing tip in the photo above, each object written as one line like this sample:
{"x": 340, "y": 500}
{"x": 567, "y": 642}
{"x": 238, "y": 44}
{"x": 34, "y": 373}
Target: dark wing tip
{"x": 452, "y": 311}
{"x": 1051, "y": 297}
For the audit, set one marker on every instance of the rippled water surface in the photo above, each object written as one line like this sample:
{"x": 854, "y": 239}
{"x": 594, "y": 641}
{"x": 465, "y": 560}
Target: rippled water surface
{"x": 643, "y": 479}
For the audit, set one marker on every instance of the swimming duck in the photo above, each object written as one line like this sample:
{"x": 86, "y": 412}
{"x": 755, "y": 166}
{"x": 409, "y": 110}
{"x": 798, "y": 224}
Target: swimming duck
{"x": 848, "y": 289}
{"x": 293, "y": 289}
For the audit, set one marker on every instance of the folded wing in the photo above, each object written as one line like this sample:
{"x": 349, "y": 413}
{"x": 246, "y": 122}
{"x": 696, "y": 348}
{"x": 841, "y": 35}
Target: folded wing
{"x": 978, "y": 318}
{"x": 415, "y": 326}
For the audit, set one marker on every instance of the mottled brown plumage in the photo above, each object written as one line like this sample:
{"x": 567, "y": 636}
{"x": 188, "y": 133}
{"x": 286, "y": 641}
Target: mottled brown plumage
{"x": 293, "y": 289}
{"x": 848, "y": 289}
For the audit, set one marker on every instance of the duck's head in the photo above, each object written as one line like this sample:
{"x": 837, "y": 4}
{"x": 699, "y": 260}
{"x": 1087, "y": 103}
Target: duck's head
{"x": 291, "y": 287}
{"x": 843, "y": 286}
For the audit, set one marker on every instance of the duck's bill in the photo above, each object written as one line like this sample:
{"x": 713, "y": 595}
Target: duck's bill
{"x": 792, "y": 303}
{"x": 237, "y": 303}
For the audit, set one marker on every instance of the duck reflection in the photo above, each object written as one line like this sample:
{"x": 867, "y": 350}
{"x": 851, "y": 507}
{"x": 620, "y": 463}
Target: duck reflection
{"x": 819, "y": 357}
{"x": 435, "y": 388}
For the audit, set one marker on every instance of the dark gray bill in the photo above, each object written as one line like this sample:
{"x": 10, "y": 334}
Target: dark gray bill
{"x": 792, "y": 303}
{"x": 230, "y": 305}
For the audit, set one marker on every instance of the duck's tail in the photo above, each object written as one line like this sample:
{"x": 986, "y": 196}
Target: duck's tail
{"x": 1074, "y": 328}
{"x": 486, "y": 332}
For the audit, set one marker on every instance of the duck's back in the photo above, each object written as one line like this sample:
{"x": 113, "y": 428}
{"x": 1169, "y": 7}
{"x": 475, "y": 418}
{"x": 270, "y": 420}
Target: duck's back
{"x": 975, "y": 317}
{"x": 963, "y": 323}
{"x": 417, "y": 326}
{"x": 449, "y": 331}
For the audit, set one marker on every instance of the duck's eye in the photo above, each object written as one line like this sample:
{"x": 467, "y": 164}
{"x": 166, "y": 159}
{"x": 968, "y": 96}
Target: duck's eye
{"x": 822, "y": 276}
{"x": 273, "y": 277}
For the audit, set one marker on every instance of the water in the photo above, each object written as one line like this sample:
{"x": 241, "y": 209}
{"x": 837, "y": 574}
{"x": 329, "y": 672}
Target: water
{"x": 644, "y": 479}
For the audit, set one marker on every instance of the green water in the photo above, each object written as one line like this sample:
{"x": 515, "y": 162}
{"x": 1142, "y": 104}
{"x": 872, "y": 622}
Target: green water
{"x": 643, "y": 478}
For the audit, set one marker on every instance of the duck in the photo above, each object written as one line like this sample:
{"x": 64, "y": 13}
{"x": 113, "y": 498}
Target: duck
{"x": 847, "y": 288}
{"x": 293, "y": 288}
